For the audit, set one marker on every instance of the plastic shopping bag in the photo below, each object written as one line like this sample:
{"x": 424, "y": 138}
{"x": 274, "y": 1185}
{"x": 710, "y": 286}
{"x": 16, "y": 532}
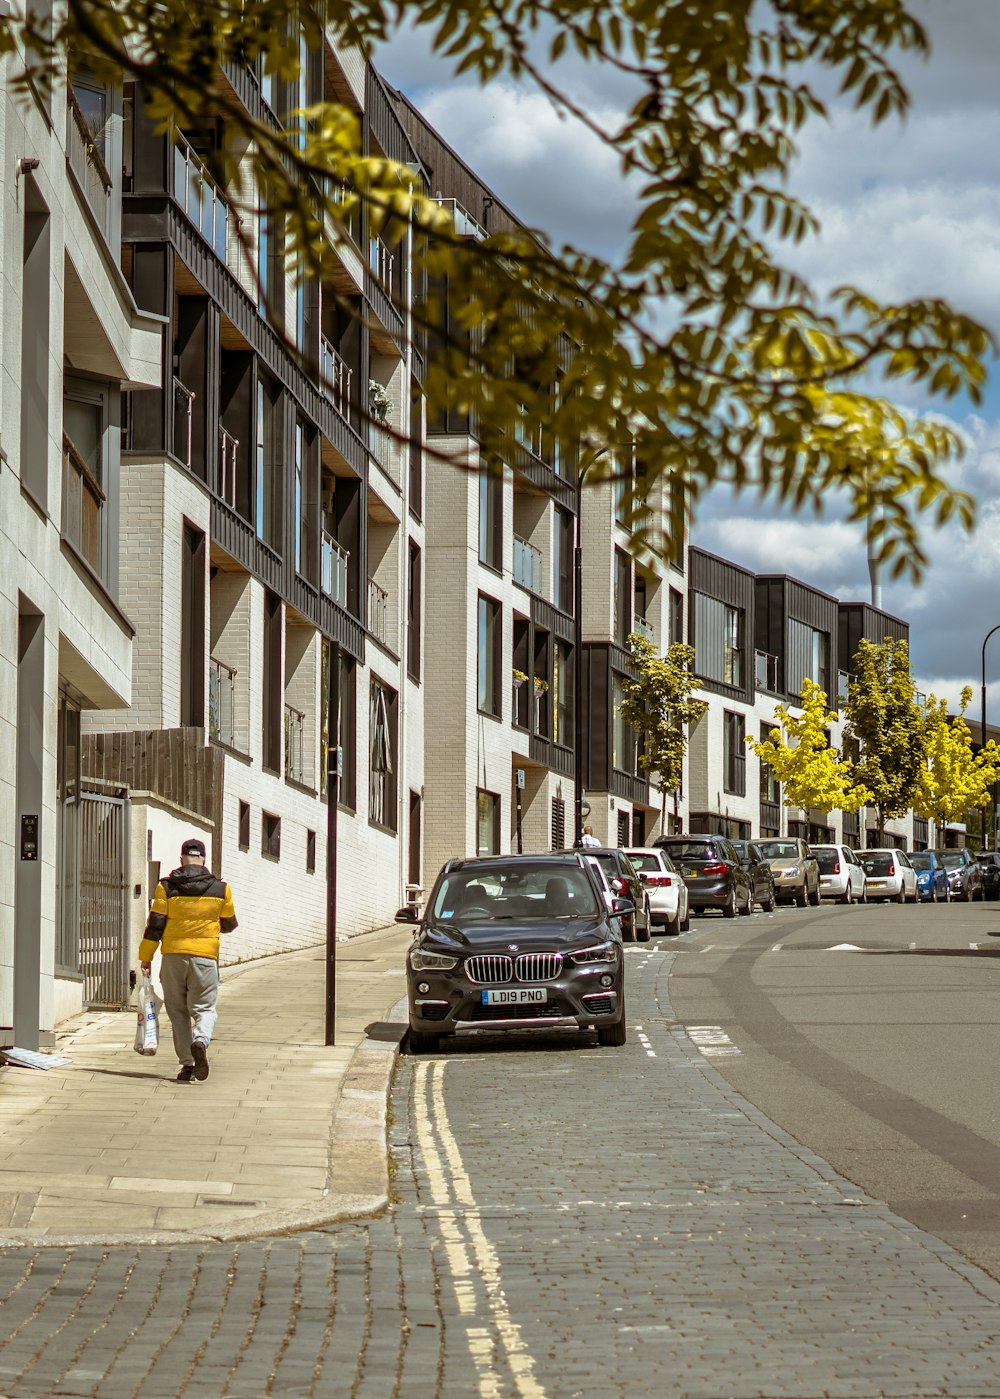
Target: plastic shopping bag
{"x": 147, "y": 1030}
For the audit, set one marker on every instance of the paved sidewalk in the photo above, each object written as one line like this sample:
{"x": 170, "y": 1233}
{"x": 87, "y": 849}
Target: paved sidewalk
{"x": 285, "y": 1133}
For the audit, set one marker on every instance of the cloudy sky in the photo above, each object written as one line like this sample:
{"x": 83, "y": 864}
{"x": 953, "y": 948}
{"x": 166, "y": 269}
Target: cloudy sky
{"x": 907, "y": 210}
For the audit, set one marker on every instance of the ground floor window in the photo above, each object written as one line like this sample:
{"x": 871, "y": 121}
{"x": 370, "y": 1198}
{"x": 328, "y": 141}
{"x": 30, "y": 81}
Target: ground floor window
{"x": 487, "y": 822}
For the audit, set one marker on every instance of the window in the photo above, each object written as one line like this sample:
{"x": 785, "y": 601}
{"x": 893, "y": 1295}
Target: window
{"x": 83, "y": 477}
{"x": 491, "y": 517}
{"x": 416, "y": 453}
{"x": 541, "y": 684}
{"x": 678, "y": 521}
{"x": 270, "y": 835}
{"x": 562, "y": 694}
{"x": 623, "y": 596}
{"x": 348, "y": 731}
{"x": 770, "y": 789}
{"x": 808, "y": 656}
{"x": 623, "y": 745}
{"x": 414, "y": 852}
{"x": 299, "y": 506}
{"x": 624, "y": 837}
{"x": 676, "y": 616}
{"x": 244, "y": 826}
{"x": 36, "y": 281}
{"x": 487, "y": 823}
{"x": 192, "y": 627}
{"x": 382, "y": 756}
{"x": 488, "y": 656}
{"x": 558, "y": 823}
{"x": 267, "y": 480}
{"x": 413, "y": 612}
{"x": 520, "y": 708}
{"x": 310, "y": 852}
{"x": 273, "y": 695}
{"x": 734, "y": 753}
{"x": 718, "y": 641}
{"x": 563, "y": 537}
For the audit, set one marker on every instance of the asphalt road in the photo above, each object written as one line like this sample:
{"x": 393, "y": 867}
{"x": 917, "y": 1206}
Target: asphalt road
{"x": 573, "y": 1220}
{"x": 884, "y": 1060}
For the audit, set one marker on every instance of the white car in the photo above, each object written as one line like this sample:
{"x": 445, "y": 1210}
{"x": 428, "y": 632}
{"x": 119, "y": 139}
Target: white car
{"x": 840, "y": 874}
{"x": 889, "y": 875}
{"x": 666, "y": 890}
{"x": 609, "y": 895}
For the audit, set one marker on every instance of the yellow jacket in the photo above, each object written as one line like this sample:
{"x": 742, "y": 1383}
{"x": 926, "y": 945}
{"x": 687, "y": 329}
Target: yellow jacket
{"x": 190, "y": 909}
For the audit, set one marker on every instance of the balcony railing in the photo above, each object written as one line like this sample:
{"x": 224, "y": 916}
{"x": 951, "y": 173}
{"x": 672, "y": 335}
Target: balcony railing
{"x": 335, "y": 375}
{"x": 528, "y": 433}
{"x": 465, "y": 225}
{"x": 295, "y": 744}
{"x": 527, "y": 565}
{"x": 225, "y": 467}
{"x": 183, "y": 421}
{"x": 200, "y": 198}
{"x": 85, "y": 158}
{"x": 766, "y": 672}
{"x": 222, "y": 702}
{"x": 644, "y": 629}
{"x": 378, "y": 612}
{"x": 82, "y": 503}
{"x": 381, "y": 261}
{"x": 335, "y": 570}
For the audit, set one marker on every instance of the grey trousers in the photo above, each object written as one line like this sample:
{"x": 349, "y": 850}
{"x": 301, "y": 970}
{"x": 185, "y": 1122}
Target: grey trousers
{"x": 190, "y": 990}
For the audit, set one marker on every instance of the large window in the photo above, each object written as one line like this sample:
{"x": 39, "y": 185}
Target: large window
{"x": 563, "y": 538}
{"x": 718, "y": 641}
{"x": 676, "y": 616}
{"x": 491, "y": 517}
{"x": 488, "y": 655}
{"x": 623, "y": 596}
{"x": 36, "y": 282}
{"x": 273, "y": 736}
{"x": 413, "y": 611}
{"x": 808, "y": 656}
{"x": 562, "y": 693}
{"x": 770, "y": 788}
{"x": 734, "y": 753}
{"x": 382, "y": 720}
{"x": 267, "y": 474}
{"x": 192, "y": 627}
{"x": 623, "y": 744}
{"x": 84, "y": 472}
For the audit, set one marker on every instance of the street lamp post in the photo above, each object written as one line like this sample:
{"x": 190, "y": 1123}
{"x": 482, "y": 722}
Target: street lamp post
{"x": 982, "y": 734}
{"x": 578, "y": 665}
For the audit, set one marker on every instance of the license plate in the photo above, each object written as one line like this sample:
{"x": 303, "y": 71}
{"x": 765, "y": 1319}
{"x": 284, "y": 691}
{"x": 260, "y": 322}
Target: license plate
{"x": 876, "y": 883}
{"x": 516, "y": 996}
{"x": 689, "y": 874}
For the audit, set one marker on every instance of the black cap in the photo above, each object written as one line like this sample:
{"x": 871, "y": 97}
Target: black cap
{"x": 193, "y": 847}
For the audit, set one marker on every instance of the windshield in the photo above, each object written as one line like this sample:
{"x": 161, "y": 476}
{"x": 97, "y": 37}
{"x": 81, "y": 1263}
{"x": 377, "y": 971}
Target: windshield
{"x": 778, "y": 849}
{"x": 826, "y": 859}
{"x": 921, "y": 860}
{"x": 693, "y": 850}
{"x": 648, "y": 863}
{"x": 516, "y": 891}
{"x": 877, "y": 862}
{"x": 952, "y": 859}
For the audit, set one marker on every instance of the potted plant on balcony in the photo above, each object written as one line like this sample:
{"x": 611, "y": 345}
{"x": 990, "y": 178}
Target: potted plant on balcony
{"x": 540, "y": 685}
{"x": 379, "y": 402}
{"x": 518, "y": 677}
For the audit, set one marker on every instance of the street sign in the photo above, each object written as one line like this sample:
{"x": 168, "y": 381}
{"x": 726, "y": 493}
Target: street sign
{"x": 519, "y": 779}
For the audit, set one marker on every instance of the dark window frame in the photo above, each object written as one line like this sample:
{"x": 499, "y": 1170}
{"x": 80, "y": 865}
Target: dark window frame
{"x": 270, "y": 835}
{"x": 489, "y": 639}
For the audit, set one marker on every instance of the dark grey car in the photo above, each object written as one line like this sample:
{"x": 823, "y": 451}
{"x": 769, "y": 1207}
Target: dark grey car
{"x": 516, "y": 942}
{"x": 712, "y": 871}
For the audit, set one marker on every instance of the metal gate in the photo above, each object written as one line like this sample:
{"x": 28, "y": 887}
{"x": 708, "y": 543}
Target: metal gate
{"x": 104, "y": 942}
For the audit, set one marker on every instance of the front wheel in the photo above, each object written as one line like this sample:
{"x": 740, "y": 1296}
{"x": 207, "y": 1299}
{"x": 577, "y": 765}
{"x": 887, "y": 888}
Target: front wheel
{"x": 423, "y": 1043}
{"x": 613, "y": 1036}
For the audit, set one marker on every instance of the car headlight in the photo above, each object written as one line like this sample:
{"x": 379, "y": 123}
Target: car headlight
{"x": 607, "y": 952}
{"x": 793, "y": 869}
{"x": 422, "y": 961}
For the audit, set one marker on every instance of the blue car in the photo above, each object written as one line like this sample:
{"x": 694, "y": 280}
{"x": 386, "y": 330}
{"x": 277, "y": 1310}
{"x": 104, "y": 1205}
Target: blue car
{"x": 932, "y": 877}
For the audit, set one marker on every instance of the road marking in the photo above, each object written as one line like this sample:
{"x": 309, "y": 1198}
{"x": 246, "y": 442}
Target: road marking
{"x": 711, "y": 1040}
{"x": 644, "y": 1041}
{"x": 777, "y": 947}
{"x": 974, "y": 946}
{"x": 471, "y": 1257}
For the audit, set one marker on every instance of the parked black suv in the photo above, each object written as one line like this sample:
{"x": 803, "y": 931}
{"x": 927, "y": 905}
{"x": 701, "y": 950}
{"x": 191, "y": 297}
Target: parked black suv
{"x": 759, "y": 871}
{"x": 713, "y": 872}
{"x": 515, "y": 942}
{"x": 989, "y": 863}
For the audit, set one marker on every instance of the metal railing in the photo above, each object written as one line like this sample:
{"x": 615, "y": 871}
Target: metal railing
{"x": 378, "y": 612}
{"x": 200, "y": 198}
{"x": 335, "y": 375}
{"x": 82, "y": 505}
{"x": 766, "y": 672}
{"x": 335, "y": 569}
{"x": 225, "y": 467}
{"x": 465, "y": 225}
{"x": 222, "y": 702}
{"x": 527, "y": 565}
{"x": 380, "y": 259}
{"x": 87, "y": 163}
{"x": 295, "y": 743}
{"x": 528, "y": 433}
{"x": 644, "y": 628}
{"x": 380, "y": 445}
{"x": 183, "y": 421}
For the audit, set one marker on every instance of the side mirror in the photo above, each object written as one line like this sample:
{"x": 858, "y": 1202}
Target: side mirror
{"x": 408, "y": 914}
{"x": 621, "y": 908}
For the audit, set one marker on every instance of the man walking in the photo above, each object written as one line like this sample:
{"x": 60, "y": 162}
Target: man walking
{"x": 190, "y": 910}
{"x": 588, "y": 839}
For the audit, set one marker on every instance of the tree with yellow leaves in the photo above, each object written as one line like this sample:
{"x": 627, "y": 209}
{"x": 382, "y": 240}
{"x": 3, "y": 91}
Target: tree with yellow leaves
{"x": 798, "y": 752}
{"x": 954, "y": 779}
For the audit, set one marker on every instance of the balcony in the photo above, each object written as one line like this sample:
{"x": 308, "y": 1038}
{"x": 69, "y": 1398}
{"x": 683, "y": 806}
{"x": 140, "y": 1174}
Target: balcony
{"x": 85, "y": 160}
{"x": 528, "y": 433}
{"x": 465, "y": 225}
{"x": 225, "y": 468}
{"x": 335, "y": 570}
{"x": 199, "y": 197}
{"x": 222, "y": 702}
{"x": 380, "y": 261}
{"x": 527, "y": 565}
{"x": 295, "y": 744}
{"x": 183, "y": 421}
{"x": 82, "y": 504}
{"x": 378, "y": 612}
{"x": 766, "y": 672}
{"x": 335, "y": 376}
{"x": 644, "y": 629}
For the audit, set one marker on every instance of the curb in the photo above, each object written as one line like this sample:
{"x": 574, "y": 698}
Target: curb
{"x": 358, "y": 1156}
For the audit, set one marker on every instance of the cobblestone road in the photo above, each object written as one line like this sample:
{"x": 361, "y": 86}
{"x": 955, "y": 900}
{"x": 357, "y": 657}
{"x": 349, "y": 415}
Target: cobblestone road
{"x": 571, "y": 1221}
